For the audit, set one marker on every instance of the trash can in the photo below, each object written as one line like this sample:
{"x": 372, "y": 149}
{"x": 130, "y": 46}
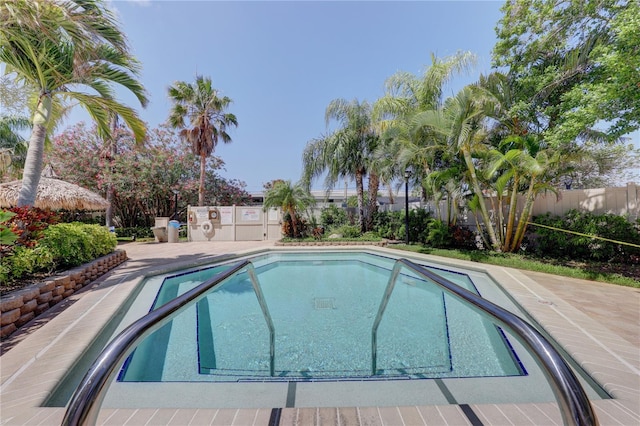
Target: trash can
{"x": 160, "y": 232}
{"x": 173, "y": 231}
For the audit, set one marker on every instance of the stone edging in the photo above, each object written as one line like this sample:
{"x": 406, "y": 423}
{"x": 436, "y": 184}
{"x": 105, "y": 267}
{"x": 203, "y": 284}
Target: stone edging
{"x": 382, "y": 243}
{"x": 20, "y": 307}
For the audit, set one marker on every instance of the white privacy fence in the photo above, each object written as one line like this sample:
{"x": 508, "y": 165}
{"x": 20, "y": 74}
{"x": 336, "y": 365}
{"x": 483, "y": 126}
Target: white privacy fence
{"x": 621, "y": 201}
{"x": 252, "y": 223}
{"x": 233, "y": 223}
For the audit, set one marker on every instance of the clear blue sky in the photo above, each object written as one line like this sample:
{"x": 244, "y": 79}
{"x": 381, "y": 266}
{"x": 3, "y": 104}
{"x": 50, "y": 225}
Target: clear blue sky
{"x": 283, "y": 62}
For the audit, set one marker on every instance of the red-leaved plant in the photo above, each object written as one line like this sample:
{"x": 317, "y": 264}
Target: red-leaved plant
{"x": 29, "y": 223}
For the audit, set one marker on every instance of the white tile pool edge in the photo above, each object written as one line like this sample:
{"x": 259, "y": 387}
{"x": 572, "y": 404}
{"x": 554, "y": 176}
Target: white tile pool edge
{"x": 31, "y": 369}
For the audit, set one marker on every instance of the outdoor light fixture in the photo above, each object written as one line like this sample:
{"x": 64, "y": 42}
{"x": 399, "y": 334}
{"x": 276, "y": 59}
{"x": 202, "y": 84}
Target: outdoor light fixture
{"x": 407, "y": 175}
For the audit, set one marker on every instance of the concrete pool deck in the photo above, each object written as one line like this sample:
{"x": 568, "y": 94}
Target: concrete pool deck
{"x": 597, "y": 324}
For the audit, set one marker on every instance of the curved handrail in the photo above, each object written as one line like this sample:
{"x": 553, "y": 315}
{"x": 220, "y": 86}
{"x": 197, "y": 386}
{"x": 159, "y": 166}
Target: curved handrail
{"x": 267, "y": 316}
{"x": 383, "y": 306}
{"x": 574, "y": 405}
{"x": 85, "y": 403}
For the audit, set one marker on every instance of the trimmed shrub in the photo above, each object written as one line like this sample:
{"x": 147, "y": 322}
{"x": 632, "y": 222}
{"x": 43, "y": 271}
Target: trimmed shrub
{"x": 101, "y": 240}
{"x": 62, "y": 246}
{"x": 73, "y": 244}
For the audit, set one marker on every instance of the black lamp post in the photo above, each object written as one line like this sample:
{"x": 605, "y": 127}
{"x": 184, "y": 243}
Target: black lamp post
{"x": 175, "y": 204}
{"x": 407, "y": 175}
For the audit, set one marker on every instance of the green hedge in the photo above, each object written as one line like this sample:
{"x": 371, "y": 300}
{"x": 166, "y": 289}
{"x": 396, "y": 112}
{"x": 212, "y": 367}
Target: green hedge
{"x": 62, "y": 246}
{"x": 553, "y": 243}
{"x": 135, "y": 232}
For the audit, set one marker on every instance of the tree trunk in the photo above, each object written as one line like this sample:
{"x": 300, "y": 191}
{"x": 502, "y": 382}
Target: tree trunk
{"x": 374, "y": 185}
{"x": 524, "y": 217}
{"x": 294, "y": 222}
{"x": 360, "y": 193}
{"x": 35, "y": 153}
{"x": 390, "y": 190}
{"x": 203, "y": 162}
{"x": 436, "y": 206}
{"x": 112, "y": 151}
{"x": 513, "y": 207}
{"x": 483, "y": 208}
{"x": 497, "y": 207}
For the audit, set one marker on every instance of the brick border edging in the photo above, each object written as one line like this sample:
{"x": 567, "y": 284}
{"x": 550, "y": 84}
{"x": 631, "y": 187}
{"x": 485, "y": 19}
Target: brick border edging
{"x": 20, "y": 307}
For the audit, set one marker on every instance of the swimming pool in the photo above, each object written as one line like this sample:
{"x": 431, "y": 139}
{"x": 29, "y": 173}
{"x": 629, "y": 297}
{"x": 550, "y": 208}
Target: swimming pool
{"x": 398, "y": 390}
{"x": 323, "y": 307}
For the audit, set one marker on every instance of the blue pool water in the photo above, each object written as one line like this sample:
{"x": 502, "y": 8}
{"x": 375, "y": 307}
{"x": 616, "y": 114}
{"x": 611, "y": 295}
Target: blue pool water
{"x": 323, "y": 306}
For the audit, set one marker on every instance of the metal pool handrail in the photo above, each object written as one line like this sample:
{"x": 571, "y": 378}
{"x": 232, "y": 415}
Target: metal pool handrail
{"x": 572, "y": 399}
{"x": 85, "y": 403}
{"x": 383, "y": 306}
{"x": 267, "y": 316}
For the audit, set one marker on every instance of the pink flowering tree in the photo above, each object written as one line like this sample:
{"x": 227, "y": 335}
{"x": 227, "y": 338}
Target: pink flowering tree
{"x": 143, "y": 177}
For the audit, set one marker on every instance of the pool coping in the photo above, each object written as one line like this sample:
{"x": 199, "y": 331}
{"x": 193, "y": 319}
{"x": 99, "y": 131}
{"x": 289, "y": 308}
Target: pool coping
{"x": 30, "y": 371}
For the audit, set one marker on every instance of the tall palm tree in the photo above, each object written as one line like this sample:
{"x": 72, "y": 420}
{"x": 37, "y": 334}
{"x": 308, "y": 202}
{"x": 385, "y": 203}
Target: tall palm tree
{"x": 417, "y": 148}
{"x": 290, "y": 198}
{"x": 84, "y": 23}
{"x": 460, "y": 121}
{"x": 347, "y": 152}
{"x": 207, "y": 123}
{"x": 67, "y": 51}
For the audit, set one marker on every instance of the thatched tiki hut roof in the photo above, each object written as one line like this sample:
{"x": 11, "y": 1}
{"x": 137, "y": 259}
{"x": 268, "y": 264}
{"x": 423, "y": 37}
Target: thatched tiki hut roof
{"x": 54, "y": 194}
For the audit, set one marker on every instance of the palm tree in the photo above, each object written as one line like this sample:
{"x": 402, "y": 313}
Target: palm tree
{"x": 460, "y": 121}
{"x": 205, "y": 110}
{"x": 67, "y": 51}
{"x": 290, "y": 198}
{"x": 12, "y": 145}
{"x": 83, "y": 23}
{"x": 416, "y": 147}
{"x": 346, "y": 152}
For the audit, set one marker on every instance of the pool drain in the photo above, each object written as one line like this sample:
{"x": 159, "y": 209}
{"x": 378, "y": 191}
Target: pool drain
{"x": 323, "y": 303}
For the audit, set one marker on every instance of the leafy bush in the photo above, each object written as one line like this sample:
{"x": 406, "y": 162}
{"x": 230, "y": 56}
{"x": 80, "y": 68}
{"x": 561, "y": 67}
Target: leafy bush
{"x": 73, "y": 244}
{"x": 333, "y": 217}
{"x": 82, "y": 216}
{"x": 348, "y": 231}
{"x": 301, "y": 226}
{"x": 28, "y": 223}
{"x": 438, "y": 234}
{"x": 101, "y": 240}
{"x": 389, "y": 224}
{"x": 545, "y": 242}
{"x": 7, "y": 236}
{"x": 135, "y": 232}
{"x": 62, "y": 246}
{"x": 68, "y": 243}
{"x": 25, "y": 261}
{"x": 20, "y": 262}
{"x": 462, "y": 238}
{"x": 5, "y": 270}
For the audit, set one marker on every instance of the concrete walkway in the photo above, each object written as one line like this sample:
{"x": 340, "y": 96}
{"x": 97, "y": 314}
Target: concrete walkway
{"x": 614, "y": 306}
{"x": 597, "y": 324}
